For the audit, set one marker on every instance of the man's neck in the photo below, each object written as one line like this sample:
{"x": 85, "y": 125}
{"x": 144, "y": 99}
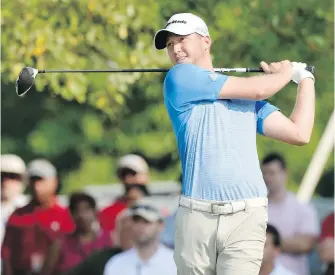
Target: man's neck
{"x": 266, "y": 269}
{"x": 206, "y": 64}
{"x": 277, "y": 197}
{"x": 147, "y": 251}
{"x": 44, "y": 204}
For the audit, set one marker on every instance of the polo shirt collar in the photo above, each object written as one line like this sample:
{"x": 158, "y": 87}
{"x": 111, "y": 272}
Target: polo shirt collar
{"x": 139, "y": 261}
{"x": 36, "y": 206}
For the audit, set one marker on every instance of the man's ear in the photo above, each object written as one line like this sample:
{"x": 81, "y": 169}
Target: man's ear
{"x": 57, "y": 185}
{"x": 208, "y": 42}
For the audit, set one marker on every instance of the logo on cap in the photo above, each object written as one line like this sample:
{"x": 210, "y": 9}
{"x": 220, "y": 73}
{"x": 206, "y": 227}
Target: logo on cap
{"x": 175, "y": 21}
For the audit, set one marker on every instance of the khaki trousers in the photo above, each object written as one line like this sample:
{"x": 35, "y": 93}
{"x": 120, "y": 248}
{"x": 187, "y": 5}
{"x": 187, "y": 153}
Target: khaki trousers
{"x": 220, "y": 244}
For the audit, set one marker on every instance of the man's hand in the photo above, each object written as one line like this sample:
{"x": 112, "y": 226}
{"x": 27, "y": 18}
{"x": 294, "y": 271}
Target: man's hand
{"x": 284, "y": 67}
{"x": 300, "y": 72}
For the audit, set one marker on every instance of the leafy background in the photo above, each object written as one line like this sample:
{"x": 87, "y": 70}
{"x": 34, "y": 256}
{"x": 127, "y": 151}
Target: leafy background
{"x": 84, "y": 122}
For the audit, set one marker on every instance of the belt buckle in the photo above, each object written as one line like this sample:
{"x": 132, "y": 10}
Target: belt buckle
{"x": 217, "y": 210}
{"x": 212, "y": 207}
{"x": 218, "y": 205}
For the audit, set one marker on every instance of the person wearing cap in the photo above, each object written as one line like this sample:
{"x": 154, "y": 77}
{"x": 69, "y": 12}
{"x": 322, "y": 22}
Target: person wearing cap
{"x": 133, "y": 171}
{"x": 221, "y": 220}
{"x": 32, "y": 229}
{"x": 13, "y": 169}
{"x": 148, "y": 256}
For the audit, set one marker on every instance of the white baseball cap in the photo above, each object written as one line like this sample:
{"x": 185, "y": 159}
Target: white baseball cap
{"x": 41, "y": 168}
{"x": 147, "y": 211}
{"x": 133, "y": 162}
{"x": 12, "y": 164}
{"x": 181, "y": 24}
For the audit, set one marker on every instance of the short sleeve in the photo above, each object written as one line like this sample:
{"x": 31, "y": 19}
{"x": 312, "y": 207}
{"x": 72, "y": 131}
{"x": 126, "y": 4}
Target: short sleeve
{"x": 187, "y": 84}
{"x": 263, "y": 110}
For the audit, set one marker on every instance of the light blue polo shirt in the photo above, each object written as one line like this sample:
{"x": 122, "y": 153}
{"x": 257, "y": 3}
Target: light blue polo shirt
{"x": 216, "y": 138}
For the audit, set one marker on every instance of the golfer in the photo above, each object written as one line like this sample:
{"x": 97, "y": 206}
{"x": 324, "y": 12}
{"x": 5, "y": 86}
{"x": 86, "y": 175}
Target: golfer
{"x": 222, "y": 216}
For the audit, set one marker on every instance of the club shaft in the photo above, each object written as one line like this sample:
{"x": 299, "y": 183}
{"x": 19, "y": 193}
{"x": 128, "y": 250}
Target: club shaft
{"x": 220, "y": 70}
{"x": 106, "y": 71}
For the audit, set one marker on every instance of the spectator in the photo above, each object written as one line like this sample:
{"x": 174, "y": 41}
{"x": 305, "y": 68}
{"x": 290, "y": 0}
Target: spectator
{"x": 70, "y": 250}
{"x": 271, "y": 252}
{"x": 133, "y": 169}
{"x": 148, "y": 256}
{"x": 12, "y": 186}
{"x": 31, "y": 229}
{"x": 95, "y": 263}
{"x": 326, "y": 244}
{"x": 133, "y": 172}
{"x": 296, "y": 222}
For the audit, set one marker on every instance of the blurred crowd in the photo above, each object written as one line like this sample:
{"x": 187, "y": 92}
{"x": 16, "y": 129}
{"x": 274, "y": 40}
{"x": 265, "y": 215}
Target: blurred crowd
{"x": 132, "y": 236}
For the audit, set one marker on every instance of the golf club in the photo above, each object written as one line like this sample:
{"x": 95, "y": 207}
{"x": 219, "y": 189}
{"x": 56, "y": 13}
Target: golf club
{"x": 27, "y": 75}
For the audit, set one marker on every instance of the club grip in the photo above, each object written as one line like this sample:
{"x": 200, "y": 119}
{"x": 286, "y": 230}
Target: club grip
{"x": 311, "y": 69}
{"x": 259, "y": 70}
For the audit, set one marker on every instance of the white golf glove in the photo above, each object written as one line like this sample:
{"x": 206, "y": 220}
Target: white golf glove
{"x": 299, "y": 72}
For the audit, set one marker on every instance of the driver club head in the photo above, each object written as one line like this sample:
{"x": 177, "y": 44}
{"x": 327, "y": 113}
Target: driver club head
{"x": 25, "y": 80}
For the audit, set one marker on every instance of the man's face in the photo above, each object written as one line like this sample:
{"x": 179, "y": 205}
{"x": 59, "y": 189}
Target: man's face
{"x": 187, "y": 49}
{"x": 11, "y": 186}
{"x": 43, "y": 188}
{"x": 270, "y": 250}
{"x": 129, "y": 176}
{"x": 146, "y": 232}
{"x": 133, "y": 195}
{"x": 274, "y": 176}
{"x": 84, "y": 215}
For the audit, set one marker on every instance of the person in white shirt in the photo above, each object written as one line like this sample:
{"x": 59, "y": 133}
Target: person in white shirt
{"x": 148, "y": 256}
{"x": 271, "y": 252}
{"x": 13, "y": 169}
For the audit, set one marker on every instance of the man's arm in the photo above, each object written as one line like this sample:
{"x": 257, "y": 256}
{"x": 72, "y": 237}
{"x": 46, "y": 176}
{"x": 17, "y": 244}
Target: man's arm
{"x": 187, "y": 84}
{"x": 308, "y": 231}
{"x": 258, "y": 87}
{"x": 51, "y": 258}
{"x": 297, "y": 129}
{"x": 299, "y": 244}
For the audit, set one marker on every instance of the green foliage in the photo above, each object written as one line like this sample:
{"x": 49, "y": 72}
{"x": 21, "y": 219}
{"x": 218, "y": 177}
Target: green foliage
{"x": 84, "y": 122}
